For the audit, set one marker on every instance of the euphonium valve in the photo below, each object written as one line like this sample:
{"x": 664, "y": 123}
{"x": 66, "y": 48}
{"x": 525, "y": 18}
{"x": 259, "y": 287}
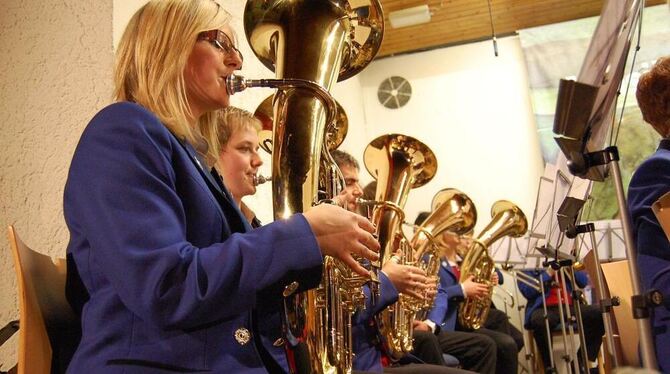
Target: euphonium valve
{"x": 507, "y": 219}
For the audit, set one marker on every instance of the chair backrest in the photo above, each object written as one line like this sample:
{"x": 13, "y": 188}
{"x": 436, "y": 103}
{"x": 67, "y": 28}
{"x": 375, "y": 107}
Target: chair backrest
{"x": 617, "y": 283}
{"x": 42, "y": 303}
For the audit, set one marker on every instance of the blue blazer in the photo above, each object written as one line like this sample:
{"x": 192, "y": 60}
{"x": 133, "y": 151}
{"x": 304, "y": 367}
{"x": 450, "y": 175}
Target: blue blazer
{"x": 365, "y": 336}
{"x": 534, "y": 296}
{"x": 172, "y": 270}
{"x": 649, "y": 182}
{"x": 449, "y": 294}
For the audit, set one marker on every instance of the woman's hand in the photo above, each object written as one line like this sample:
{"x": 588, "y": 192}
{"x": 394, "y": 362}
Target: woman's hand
{"x": 474, "y": 289}
{"x": 408, "y": 280}
{"x": 342, "y": 234}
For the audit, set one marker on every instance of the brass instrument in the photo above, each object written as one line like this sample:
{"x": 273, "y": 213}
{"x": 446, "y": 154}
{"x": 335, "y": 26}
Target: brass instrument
{"x": 507, "y": 219}
{"x": 335, "y": 131}
{"x": 398, "y": 163}
{"x": 452, "y": 210}
{"x": 310, "y": 44}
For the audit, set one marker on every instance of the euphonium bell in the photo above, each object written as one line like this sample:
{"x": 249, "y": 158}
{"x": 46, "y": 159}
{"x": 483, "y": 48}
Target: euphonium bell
{"x": 507, "y": 219}
{"x": 399, "y": 163}
{"x": 310, "y": 44}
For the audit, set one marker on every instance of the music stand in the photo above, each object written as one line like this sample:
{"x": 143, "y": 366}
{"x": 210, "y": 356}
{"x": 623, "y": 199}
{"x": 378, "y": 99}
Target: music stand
{"x": 581, "y": 137}
{"x": 567, "y": 217}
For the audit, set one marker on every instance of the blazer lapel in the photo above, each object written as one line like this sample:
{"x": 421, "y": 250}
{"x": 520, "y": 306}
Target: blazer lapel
{"x": 227, "y": 205}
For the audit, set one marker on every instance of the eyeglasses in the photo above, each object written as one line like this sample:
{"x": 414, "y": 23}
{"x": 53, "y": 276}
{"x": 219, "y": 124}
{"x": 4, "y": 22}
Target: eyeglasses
{"x": 220, "y": 40}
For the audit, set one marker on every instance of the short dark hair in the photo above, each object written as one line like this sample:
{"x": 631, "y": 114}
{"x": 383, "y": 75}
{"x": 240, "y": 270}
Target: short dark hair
{"x": 421, "y": 217}
{"x": 343, "y": 158}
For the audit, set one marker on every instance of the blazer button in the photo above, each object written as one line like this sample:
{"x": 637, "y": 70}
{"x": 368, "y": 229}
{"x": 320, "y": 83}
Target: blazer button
{"x": 290, "y": 289}
{"x": 279, "y": 342}
{"x": 242, "y": 336}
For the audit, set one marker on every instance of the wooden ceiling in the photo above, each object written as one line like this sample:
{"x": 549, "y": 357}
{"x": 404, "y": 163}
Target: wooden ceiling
{"x": 460, "y": 21}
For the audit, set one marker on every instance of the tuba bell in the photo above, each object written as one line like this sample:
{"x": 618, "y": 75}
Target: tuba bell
{"x": 398, "y": 163}
{"x": 310, "y": 44}
{"x": 507, "y": 219}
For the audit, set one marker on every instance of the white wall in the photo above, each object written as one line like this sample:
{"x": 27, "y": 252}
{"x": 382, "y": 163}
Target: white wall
{"x": 472, "y": 109}
{"x": 56, "y": 68}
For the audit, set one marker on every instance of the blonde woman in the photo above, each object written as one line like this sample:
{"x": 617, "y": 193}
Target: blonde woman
{"x": 172, "y": 277}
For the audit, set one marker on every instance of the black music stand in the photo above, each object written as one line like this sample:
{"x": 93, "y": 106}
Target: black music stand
{"x": 584, "y": 112}
{"x": 567, "y": 217}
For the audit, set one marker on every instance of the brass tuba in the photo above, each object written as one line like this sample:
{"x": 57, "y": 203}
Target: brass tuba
{"x": 398, "y": 163}
{"x": 507, "y": 219}
{"x": 310, "y": 44}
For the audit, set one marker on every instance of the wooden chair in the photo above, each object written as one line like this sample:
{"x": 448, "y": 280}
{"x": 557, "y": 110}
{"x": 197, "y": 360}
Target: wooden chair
{"x": 44, "y": 313}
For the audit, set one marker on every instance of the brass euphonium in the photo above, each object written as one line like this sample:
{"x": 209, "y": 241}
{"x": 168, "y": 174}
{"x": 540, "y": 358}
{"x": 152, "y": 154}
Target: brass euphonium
{"x": 398, "y": 163}
{"x": 453, "y": 211}
{"x": 310, "y": 44}
{"x": 507, "y": 219}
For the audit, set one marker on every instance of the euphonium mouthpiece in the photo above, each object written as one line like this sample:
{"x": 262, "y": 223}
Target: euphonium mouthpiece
{"x": 237, "y": 83}
{"x": 259, "y": 179}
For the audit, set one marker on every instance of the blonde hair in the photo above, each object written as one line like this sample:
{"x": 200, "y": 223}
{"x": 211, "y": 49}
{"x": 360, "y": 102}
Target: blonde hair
{"x": 231, "y": 120}
{"x": 653, "y": 96}
{"x": 151, "y": 58}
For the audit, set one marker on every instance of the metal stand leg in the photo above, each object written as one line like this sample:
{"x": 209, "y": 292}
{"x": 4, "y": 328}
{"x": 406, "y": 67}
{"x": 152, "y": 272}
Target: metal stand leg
{"x": 550, "y": 343}
{"x": 570, "y": 354}
{"x": 580, "y": 322}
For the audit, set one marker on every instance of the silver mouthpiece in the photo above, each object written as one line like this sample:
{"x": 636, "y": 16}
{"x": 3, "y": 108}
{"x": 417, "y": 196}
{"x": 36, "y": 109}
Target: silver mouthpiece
{"x": 259, "y": 179}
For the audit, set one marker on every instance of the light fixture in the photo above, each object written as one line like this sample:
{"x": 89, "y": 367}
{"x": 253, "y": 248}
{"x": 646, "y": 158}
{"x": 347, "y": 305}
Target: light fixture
{"x": 409, "y": 16}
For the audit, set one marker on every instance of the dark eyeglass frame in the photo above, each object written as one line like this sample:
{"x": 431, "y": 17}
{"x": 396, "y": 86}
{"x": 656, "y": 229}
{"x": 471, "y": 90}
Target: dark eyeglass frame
{"x": 220, "y": 40}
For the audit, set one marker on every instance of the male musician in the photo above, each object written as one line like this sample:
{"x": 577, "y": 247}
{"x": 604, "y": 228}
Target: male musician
{"x": 394, "y": 278}
{"x": 650, "y": 181}
{"x": 591, "y": 315}
{"x": 445, "y": 312}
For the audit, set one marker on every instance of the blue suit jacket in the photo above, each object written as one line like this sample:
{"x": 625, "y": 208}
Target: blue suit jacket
{"x": 365, "y": 337}
{"x": 534, "y": 297}
{"x": 449, "y": 294}
{"x": 650, "y": 181}
{"x": 172, "y": 269}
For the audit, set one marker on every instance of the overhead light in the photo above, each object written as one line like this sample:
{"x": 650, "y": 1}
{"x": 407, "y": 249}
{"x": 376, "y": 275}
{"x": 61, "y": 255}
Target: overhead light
{"x": 409, "y": 16}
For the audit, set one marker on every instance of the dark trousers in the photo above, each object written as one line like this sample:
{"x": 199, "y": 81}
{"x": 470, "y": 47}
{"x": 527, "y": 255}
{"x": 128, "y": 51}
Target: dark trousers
{"x": 476, "y": 352}
{"x": 427, "y": 348}
{"x": 424, "y": 368}
{"x": 507, "y": 358}
{"x": 593, "y": 329}
{"x": 497, "y": 320}
{"x": 498, "y": 328}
